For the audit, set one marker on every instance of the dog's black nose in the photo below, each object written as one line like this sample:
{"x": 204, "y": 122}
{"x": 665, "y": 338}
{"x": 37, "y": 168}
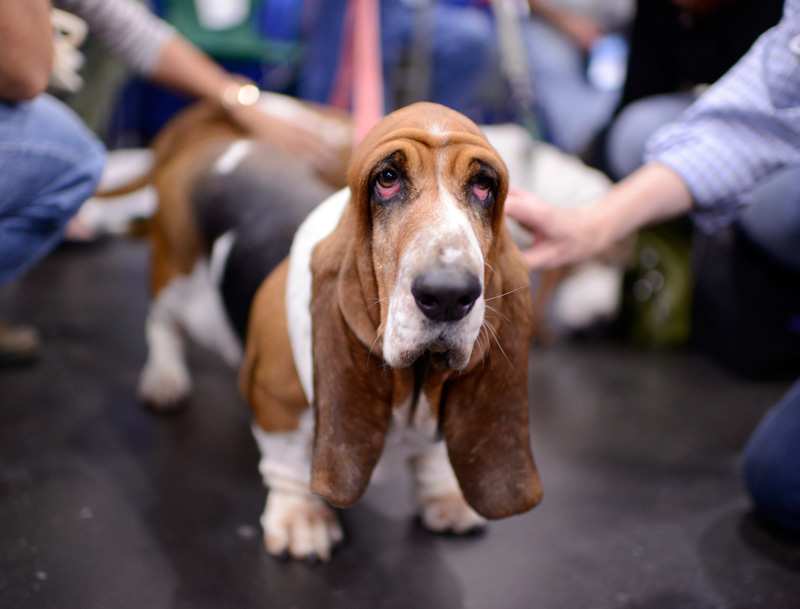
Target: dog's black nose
{"x": 445, "y": 295}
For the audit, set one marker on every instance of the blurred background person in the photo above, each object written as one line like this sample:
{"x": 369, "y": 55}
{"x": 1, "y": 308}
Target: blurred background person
{"x": 577, "y": 51}
{"x": 49, "y": 161}
{"x": 677, "y": 47}
{"x": 736, "y": 148}
{"x": 450, "y": 44}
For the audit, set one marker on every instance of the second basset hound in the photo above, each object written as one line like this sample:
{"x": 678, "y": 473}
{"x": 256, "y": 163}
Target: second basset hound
{"x": 398, "y": 327}
{"x": 406, "y": 307}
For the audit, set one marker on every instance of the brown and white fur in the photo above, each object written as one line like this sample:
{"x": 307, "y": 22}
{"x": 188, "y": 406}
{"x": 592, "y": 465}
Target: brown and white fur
{"x": 423, "y": 208}
{"x": 398, "y": 327}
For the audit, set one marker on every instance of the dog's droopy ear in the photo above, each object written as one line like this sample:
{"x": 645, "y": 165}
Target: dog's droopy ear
{"x": 484, "y": 415}
{"x": 352, "y": 389}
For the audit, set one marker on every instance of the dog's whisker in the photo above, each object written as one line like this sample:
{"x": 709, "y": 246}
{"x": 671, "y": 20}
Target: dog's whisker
{"x": 499, "y": 314}
{"x": 484, "y": 333}
{"x": 499, "y": 346}
{"x": 522, "y": 287}
{"x": 377, "y": 301}
{"x": 481, "y": 338}
{"x": 374, "y": 342}
{"x": 489, "y": 339}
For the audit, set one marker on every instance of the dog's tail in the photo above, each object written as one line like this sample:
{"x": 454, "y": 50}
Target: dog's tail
{"x": 160, "y": 149}
{"x": 125, "y": 198}
{"x": 137, "y": 183}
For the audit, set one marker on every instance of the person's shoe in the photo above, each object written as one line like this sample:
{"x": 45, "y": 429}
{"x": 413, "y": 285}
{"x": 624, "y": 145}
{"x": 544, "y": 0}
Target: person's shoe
{"x": 19, "y": 344}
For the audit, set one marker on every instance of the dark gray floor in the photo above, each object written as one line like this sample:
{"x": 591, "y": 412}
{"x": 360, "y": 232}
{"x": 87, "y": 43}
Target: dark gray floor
{"x": 103, "y": 504}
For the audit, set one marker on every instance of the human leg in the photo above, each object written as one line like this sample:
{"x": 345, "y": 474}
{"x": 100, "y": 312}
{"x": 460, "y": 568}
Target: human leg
{"x": 321, "y": 47}
{"x": 771, "y": 220}
{"x": 456, "y": 43}
{"x": 571, "y": 110}
{"x": 49, "y": 165}
{"x": 463, "y": 50}
{"x": 459, "y": 40}
{"x": 324, "y": 41}
{"x": 632, "y": 127}
{"x": 771, "y": 464}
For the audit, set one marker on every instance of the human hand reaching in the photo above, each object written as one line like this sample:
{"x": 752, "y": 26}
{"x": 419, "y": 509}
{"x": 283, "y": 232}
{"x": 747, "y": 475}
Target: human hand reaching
{"x": 560, "y": 236}
{"x": 305, "y": 139}
{"x": 323, "y": 143}
{"x": 653, "y": 193}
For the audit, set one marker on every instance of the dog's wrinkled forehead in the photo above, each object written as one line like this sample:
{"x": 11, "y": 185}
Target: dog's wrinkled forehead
{"x": 426, "y": 123}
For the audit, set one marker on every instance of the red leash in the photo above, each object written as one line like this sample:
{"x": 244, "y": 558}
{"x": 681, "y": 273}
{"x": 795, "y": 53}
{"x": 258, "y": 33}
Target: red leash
{"x": 359, "y": 75}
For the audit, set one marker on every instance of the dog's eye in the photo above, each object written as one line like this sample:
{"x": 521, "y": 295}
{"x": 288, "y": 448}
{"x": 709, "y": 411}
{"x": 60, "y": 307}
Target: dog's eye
{"x": 388, "y": 183}
{"x": 482, "y": 187}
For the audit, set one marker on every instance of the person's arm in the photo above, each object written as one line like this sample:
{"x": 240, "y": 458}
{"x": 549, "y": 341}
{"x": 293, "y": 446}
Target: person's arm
{"x": 181, "y": 66}
{"x": 563, "y": 236}
{"x": 155, "y": 50}
{"x": 741, "y": 130}
{"x": 151, "y": 47}
{"x": 184, "y": 68}
{"x": 26, "y": 48}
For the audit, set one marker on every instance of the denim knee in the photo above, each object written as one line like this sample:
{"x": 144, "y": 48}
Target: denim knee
{"x": 463, "y": 36}
{"x": 464, "y": 50}
{"x": 771, "y": 219}
{"x": 636, "y": 122}
{"x": 49, "y": 165}
{"x": 771, "y": 463}
{"x": 51, "y": 161}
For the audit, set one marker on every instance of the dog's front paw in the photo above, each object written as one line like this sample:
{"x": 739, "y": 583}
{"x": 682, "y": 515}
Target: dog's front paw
{"x": 300, "y": 525}
{"x": 450, "y": 513}
{"x": 164, "y": 387}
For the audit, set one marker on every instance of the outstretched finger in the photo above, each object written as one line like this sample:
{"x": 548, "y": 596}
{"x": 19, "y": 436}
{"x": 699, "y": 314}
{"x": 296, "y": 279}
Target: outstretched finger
{"x": 526, "y": 208}
{"x": 543, "y": 256}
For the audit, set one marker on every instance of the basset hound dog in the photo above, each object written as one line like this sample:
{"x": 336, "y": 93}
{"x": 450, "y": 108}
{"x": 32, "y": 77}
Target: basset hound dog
{"x": 397, "y": 328}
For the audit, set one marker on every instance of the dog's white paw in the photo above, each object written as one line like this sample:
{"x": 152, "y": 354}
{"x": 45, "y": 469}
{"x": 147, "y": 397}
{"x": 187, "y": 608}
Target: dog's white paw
{"x": 300, "y": 525}
{"x": 450, "y": 513}
{"x": 164, "y": 387}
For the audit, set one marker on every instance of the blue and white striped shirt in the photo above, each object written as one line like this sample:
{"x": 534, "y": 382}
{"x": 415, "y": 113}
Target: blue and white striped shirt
{"x": 742, "y": 129}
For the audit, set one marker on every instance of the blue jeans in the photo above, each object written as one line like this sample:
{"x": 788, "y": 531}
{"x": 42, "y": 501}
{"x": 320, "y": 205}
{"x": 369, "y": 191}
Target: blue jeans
{"x": 570, "y": 108}
{"x": 461, "y": 47}
{"x": 771, "y": 218}
{"x": 633, "y": 126}
{"x": 771, "y": 465}
{"x": 49, "y": 165}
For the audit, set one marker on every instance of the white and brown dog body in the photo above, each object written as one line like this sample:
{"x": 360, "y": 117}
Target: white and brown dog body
{"x": 406, "y": 306}
{"x": 398, "y": 326}
{"x": 228, "y": 206}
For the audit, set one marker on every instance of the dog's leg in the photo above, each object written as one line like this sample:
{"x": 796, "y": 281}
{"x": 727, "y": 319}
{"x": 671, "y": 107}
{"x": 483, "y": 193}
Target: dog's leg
{"x": 165, "y": 382}
{"x": 296, "y": 523}
{"x": 299, "y": 524}
{"x": 443, "y": 508}
{"x": 189, "y": 305}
